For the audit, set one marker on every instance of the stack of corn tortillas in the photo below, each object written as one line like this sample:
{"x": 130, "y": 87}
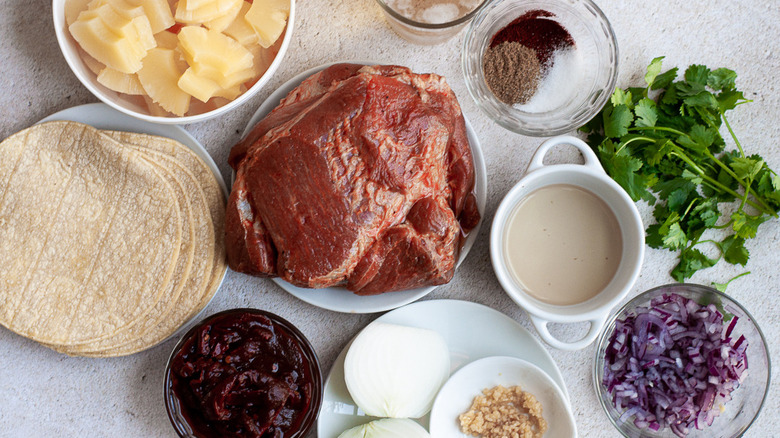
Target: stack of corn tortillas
{"x": 109, "y": 241}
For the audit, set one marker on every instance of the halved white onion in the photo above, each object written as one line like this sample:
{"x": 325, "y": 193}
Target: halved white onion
{"x": 387, "y": 428}
{"x": 396, "y": 371}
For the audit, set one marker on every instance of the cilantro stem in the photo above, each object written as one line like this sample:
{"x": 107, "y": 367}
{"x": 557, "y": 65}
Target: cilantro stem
{"x": 731, "y": 131}
{"x": 758, "y": 200}
{"x": 677, "y": 152}
{"x": 648, "y": 139}
{"x": 658, "y": 128}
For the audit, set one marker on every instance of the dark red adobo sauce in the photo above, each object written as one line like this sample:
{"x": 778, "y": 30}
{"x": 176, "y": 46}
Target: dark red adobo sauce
{"x": 242, "y": 375}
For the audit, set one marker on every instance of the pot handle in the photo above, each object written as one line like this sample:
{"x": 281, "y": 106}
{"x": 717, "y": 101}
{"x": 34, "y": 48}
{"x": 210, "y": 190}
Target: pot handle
{"x": 591, "y": 160}
{"x": 595, "y": 328}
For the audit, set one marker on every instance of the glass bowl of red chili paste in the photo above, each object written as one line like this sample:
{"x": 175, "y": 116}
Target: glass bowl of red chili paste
{"x": 540, "y": 68}
{"x": 243, "y": 373}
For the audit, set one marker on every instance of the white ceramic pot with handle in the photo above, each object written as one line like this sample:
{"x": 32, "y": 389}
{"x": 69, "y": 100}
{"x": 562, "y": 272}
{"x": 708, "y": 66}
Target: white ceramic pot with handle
{"x": 590, "y": 177}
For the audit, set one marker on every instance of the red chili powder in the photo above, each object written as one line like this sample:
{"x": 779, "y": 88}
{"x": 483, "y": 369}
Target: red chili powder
{"x": 536, "y": 30}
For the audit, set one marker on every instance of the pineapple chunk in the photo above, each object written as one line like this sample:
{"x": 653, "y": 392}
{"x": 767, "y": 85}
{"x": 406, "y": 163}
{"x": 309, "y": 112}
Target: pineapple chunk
{"x": 199, "y": 87}
{"x": 92, "y": 64}
{"x": 121, "y": 7}
{"x": 158, "y": 12}
{"x": 160, "y": 76}
{"x": 154, "y": 108}
{"x": 125, "y": 24}
{"x": 268, "y": 18}
{"x": 120, "y": 82}
{"x": 72, "y": 10}
{"x": 191, "y": 5}
{"x": 206, "y": 12}
{"x": 230, "y": 93}
{"x": 221, "y": 23}
{"x": 107, "y": 47}
{"x": 215, "y": 56}
{"x": 240, "y": 30}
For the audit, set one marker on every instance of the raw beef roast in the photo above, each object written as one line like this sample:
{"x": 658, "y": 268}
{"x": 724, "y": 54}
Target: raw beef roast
{"x": 362, "y": 177}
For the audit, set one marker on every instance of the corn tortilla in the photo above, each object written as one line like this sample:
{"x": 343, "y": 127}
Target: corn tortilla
{"x": 207, "y": 199}
{"x": 190, "y": 285}
{"x": 182, "y": 275}
{"x": 215, "y": 200}
{"x": 91, "y": 235}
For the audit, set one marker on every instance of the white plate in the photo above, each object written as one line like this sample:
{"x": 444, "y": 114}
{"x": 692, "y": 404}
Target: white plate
{"x": 340, "y": 299}
{"x": 102, "y": 116}
{"x": 472, "y": 331}
{"x": 457, "y": 395}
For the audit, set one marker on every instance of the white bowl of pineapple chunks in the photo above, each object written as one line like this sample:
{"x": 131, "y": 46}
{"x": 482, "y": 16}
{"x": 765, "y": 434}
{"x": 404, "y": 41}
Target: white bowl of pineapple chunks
{"x": 173, "y": 61}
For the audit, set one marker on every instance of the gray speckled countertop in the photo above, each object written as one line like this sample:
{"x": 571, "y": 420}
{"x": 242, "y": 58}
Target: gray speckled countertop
{"x": 43, "y": 393}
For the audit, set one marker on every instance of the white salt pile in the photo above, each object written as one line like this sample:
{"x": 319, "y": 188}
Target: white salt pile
{"x": 559, "y": 84}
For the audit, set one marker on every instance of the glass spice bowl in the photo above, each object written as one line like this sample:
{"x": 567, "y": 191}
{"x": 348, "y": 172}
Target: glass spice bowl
{"x": 597, "y": 68}
{"x": 426, "y": 33}
{"x": 746, "y": 400}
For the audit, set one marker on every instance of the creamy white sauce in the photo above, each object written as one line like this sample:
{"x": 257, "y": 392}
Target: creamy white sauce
{"x": 563, "y": 244}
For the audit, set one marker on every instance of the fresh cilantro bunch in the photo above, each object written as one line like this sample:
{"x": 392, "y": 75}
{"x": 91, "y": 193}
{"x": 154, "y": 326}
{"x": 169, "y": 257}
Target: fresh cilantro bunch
{"x": 662, "y": 143}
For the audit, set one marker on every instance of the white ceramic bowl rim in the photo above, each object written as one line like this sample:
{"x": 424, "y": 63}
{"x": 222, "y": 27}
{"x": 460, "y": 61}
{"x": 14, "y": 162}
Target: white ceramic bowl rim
{"x": 597, "y": 308}
{"x": 69, "y": 50}
{"x": 457, "y": 394}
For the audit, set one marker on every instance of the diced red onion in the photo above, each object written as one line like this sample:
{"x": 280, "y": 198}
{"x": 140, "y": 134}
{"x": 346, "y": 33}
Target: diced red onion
{"x": 673, "y": 364}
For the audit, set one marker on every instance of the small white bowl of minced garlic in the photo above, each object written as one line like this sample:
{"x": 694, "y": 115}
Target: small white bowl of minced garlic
{"x": 501, "y": 396}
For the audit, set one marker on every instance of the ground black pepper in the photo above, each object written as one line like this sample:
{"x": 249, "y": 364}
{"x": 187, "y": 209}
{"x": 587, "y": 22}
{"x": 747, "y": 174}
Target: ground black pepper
{"x": 512, "y": 72}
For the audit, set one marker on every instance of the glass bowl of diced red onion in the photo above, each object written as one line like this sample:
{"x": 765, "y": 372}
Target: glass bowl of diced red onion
{"x": 682, "y": 360}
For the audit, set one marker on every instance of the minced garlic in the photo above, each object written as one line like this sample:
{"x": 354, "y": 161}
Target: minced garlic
{"x": 504, "y": 413}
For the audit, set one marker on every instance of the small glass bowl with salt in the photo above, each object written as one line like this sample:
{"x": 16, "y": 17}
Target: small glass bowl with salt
{"x": 540, "y": 68}
{"x": 429, "y": 22}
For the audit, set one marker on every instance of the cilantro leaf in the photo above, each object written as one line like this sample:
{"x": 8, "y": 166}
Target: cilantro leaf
{"x": 745, "y": 225}
{"x": 721, "y": 79}
{"x": 653, "y": 237}
{"x": 727, "y": 100}
{"x": 704, "y": 215}
{"x": 675, "y": 238}
{"x": 664, "y": 79}
{"x": 691, "y": 260}
{"x": 676, "y": 191}
{"x": 703, "y": 135}
{"x": 617, "y": 120}
{"x": 697, "y": 74}
{"x": 703, "y": 99}
{"x": 746, "y": 168}
{"x": 646, "y": 114}
{"x": 653, "y": 70}
{"x": 623, "y": 169}
{"x": 620, "y": 97}
{"x": 734, "y": 251}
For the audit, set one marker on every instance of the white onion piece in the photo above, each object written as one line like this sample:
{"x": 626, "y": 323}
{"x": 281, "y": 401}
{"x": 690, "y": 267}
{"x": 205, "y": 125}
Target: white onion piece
{"x": 396, "y": 371}
{"x": 387, "y": 428}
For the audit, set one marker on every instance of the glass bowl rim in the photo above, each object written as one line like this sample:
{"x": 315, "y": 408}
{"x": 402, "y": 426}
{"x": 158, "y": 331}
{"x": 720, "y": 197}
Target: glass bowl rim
{"x": 602, "y": 396}
{"x": 310, "y": 418}
{"x": 409, "y": 22}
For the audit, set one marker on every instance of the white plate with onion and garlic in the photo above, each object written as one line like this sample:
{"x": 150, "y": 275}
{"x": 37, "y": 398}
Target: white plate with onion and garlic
{"x": 470, "y": 332}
